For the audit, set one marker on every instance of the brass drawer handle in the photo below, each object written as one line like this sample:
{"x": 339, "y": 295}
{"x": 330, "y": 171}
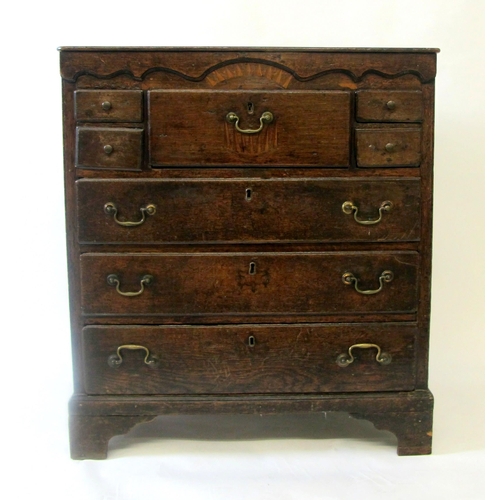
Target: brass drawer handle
{"x": 113, "y": 280}
{"x": 110, "y": 208}
{"x": 385, "y": 277}
{"x": 343, "y": 360}
{"x": 115, "y": 360}
{"x": 348, "y": 207}
{"x": 267, "y": 117}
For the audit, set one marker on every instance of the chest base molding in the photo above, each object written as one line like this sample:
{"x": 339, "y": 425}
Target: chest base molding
{"x": 94, "y": 420}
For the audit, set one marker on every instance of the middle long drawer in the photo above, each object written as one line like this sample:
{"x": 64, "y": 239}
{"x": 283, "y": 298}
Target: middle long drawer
{"x": 170, "y": 284}
{"x": 248, "y": 210}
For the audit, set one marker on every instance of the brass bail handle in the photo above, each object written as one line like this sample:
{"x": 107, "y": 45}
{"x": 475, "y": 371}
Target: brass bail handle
{"x": 266, "y": 118}
{"x": 350, "y": 279}
{"x": 384, "y": 358}
{"x": 110, "y": 208}
{"x": 348, "y": 207}
{"x": 113, "y": 280}
{"x": 115, "y": 360}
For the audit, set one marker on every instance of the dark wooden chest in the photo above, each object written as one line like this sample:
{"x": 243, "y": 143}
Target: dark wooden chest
{"x": 249, "y": 230}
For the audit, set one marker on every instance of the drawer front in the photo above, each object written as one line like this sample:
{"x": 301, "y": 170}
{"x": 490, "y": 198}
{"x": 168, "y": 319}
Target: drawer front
{"x": 389, "y": 106}
{"x": 221, "y": 211}
{"x": 244, "y": 283}
{"x": 249, "y": 359}
{"x": 205, "y": 128}
{"x": 108, "y": 106}
{"x": 388, "y": 147}
{"x": 109, "y": 148}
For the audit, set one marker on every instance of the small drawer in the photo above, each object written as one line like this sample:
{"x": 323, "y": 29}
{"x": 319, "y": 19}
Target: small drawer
{"x": 109, "y": 148}
{"x": 262, "y": 283}
{"x": 108, "y": 106}
{"x": 258, "y": 359}
{"x": 389, "y": 106}
{"x": 264, "y": 128}
{"x": 388, "y": 147}
{"x": 204, "y": 211}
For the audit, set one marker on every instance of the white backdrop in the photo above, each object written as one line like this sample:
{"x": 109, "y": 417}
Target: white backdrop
{"x": 239, "y": 457}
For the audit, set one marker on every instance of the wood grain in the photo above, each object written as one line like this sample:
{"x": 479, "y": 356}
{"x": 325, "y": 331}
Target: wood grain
{"x": 291, "y": 283}
{"x": 248, "y": 211}
{"x": 373, "y": 106}
{"x": 190, "y": 128}
{"x": 125, "y": 106}
{"x": 219, "y": 360}
{"x": 96, "y": 418}
{"x": 126, "y": 144}
{"x": 372, "y": 147}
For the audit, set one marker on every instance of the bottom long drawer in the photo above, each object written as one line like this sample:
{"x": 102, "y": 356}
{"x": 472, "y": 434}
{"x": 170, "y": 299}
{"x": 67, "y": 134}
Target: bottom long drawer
{"x": 249, "y": 359}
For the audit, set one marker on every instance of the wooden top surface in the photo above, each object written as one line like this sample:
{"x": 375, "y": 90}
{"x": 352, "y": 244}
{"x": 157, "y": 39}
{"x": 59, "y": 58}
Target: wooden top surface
{"x": 246, "y": 49}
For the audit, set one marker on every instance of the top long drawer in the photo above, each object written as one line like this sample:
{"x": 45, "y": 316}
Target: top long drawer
{"x": 247, "y": 210}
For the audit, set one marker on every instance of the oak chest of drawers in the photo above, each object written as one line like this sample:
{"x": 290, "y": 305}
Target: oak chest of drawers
{"x": 249, "y": 230}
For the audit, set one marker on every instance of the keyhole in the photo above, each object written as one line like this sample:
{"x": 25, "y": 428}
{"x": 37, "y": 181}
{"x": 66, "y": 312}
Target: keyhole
{"x": 248, "y": 194}
{"x": 252, "y": 268}
{"x": 251, "y": 341}
{"x": 250, "y": 108}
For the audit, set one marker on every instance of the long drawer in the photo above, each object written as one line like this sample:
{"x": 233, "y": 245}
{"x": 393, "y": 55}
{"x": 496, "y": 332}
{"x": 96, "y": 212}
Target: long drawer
{"x": 249, "y": 210}
{"x": 249, "y": 283}
{"x": 249, "y": 359}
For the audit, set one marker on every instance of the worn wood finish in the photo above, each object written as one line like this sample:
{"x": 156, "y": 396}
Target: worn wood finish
{"x": 388, "y": 147}
{"x": 413, "y": 429}
{"x": 248, "y": 359}
{"x": 308, "y": 128}
{"x": 90, "y": 434}
{"x": 259, "y": 283}
{"x": 125, "y": 144}
{"x": 191, "y": 64}
{"x": 225, "y": 201}
{"x": 389, "y": 106}
{"x": 410, "y": 419}
{"x": 108, "y": 106}
{"x": 260, "y": 211}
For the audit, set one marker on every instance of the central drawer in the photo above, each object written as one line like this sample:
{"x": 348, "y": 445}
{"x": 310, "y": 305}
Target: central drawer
{"x": 266, "y": 128}
{"x": 249, "y": 359}
{"x": 248, "y": 210}
{"x": 244, "y": 283}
